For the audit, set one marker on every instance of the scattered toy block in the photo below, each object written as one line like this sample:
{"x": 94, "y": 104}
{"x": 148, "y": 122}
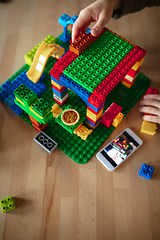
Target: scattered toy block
{"x": 148, "y": 128}
{"x": 146, "y": 171}
{"x": 46, "y": 142}
{"x": 7, "y": 204}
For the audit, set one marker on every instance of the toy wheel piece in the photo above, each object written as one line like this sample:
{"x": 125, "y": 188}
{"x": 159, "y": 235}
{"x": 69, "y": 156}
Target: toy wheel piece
{"x": 70, "y": 117}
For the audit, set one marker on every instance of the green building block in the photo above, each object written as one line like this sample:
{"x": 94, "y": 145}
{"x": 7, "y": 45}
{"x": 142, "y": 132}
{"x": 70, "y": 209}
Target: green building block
{"x": 30, "y": 55}
{"x": 28, "y": 110}
{"x": 98, "y": 60}
{"x": 41, "y": 107}
{"x": 25, "y": 95}
{"x": 7, "y": 204}
{"x": 72, "y": 127}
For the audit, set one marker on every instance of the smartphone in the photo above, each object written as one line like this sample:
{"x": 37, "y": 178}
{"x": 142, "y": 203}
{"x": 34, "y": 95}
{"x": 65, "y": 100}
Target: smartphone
{"x": 112, "y": 155}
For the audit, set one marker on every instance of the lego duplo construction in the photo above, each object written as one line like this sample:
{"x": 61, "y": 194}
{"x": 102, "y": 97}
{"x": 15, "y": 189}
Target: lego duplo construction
{"x": 76, "y": 92}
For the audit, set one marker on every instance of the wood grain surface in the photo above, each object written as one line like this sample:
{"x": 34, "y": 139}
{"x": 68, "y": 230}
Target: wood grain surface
{"x": 57, "y": 198}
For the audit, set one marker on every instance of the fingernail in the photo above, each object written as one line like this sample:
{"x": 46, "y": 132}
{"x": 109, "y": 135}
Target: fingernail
{"x": 95, "y": 31}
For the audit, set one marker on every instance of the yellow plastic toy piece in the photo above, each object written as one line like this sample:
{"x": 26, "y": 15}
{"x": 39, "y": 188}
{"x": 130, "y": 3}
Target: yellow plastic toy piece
{"x": 58, "y": 50}
{"x": 56, "y": 85}
{"x": 84, "y": 132}
{"x": 40, "y": 60}
{"x": 148, "y": 128}
{"x": 137, "y": 65}
{"x": 118, "y": 119}
{"x": 56, "y": 110}
{"x": 93, "y": 116}
{"x": 128, "y": 85}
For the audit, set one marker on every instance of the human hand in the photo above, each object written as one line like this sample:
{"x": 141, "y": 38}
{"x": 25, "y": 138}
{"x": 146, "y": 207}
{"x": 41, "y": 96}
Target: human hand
{"x": 151, "y": 105}
{"x": 100, "y": 12}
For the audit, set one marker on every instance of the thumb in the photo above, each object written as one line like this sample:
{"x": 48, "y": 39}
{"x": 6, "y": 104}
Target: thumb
{"x": 102, "y": 21}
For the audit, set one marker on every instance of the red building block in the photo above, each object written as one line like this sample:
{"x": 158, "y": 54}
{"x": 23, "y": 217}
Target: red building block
{"x": 110, "y": 114}
{"x": 65, "y": 61}
{"x": 152, "y": 91}
{"x": 59, "y": 90}
{"x": 55, "y": 73}
{"x": 95, "y": 101}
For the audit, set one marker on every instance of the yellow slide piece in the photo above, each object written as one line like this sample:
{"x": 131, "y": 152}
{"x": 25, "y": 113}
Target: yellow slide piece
{"x": 40, "y": 59}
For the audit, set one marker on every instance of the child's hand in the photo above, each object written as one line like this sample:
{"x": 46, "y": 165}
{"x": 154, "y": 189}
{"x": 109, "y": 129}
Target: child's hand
{"x": 151, "y": 104}
{"x": 100, "y": 12}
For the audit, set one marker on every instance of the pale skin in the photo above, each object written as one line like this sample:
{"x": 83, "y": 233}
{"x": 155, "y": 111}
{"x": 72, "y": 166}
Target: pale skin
{"x": 101, "y": 12}
{"x": 151, "y": 104}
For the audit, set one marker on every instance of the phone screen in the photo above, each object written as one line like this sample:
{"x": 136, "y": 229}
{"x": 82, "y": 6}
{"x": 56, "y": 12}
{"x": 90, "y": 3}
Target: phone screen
{"x": 119, "y": 149}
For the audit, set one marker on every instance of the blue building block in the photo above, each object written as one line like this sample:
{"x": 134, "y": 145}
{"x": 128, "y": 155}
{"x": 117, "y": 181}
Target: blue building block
{"x": 146, "y": 171}
{"x": 73, "y": 19}
{"x": 38, "y": 88}
{"x": 9, "y": 100}
{"x": 87, "y": 120}
{"x": 64, "y": 20}
{"x": 3, "y": 95}
{"x": 60, "y": 94}
{"x": 88, "y": 30}
{"x": 75, "y": 87}
{"x": 17, "y": 109}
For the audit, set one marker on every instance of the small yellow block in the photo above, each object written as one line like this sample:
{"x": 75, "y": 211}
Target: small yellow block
{"x": 93, "y": 116}
{"x": 56, "y": 85}
{"x": 84, "y": 132}
{"x": 126, "y": 84}
{"x": 118, "y": 119}
{"x": 56, "y": 110}
{"x": 148, "y": 128}
{"x": 137, "y": 65}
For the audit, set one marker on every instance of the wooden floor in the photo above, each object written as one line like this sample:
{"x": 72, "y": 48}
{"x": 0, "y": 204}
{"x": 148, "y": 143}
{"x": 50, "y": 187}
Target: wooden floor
{"x": 57, "y": 198}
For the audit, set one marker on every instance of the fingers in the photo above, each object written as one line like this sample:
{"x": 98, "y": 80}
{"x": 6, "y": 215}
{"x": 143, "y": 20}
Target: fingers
{"x": 99, "y": 12}
{"x": 150, "y": 118}
{"x": 103, "y": 19}
{"x": 152, "y": 100}
{"x": 152, "y": 96}
{"x": 151, "y": 105}
{"x": 81, "y": 24}
{"x": 150, "y": 110}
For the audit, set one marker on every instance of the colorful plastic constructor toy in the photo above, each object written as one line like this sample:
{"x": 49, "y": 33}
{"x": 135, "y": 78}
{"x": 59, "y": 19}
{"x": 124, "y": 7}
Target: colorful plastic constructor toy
{"x": 146, "y": 171}
{"x": 98, "y": 71}
{"x": 7, "y": 204}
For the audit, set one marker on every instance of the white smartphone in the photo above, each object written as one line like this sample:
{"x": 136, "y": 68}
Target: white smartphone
{"x": 112, "y": 155}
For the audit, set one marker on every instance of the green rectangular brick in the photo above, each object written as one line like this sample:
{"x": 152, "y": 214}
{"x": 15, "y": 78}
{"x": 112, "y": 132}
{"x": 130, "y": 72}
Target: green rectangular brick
{"x": 7, "y": 204}
{"x": 25, "y": 94}
{"x": 98, "y": 60}
{"x": 41, "y": 107}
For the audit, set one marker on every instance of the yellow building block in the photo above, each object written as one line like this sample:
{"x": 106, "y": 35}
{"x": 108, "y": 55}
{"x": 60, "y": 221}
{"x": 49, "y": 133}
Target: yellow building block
{"x": 126, "y": 84}
{"x": 56, "y": 110}
{"x": 83, "y": 132}
{"x": 148, "y": 128}
{"x": 137, "y": 65}
{"x": 93, "y": 116}
{"x": 118, "y": 119}
{"x": 56, "y": 85}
